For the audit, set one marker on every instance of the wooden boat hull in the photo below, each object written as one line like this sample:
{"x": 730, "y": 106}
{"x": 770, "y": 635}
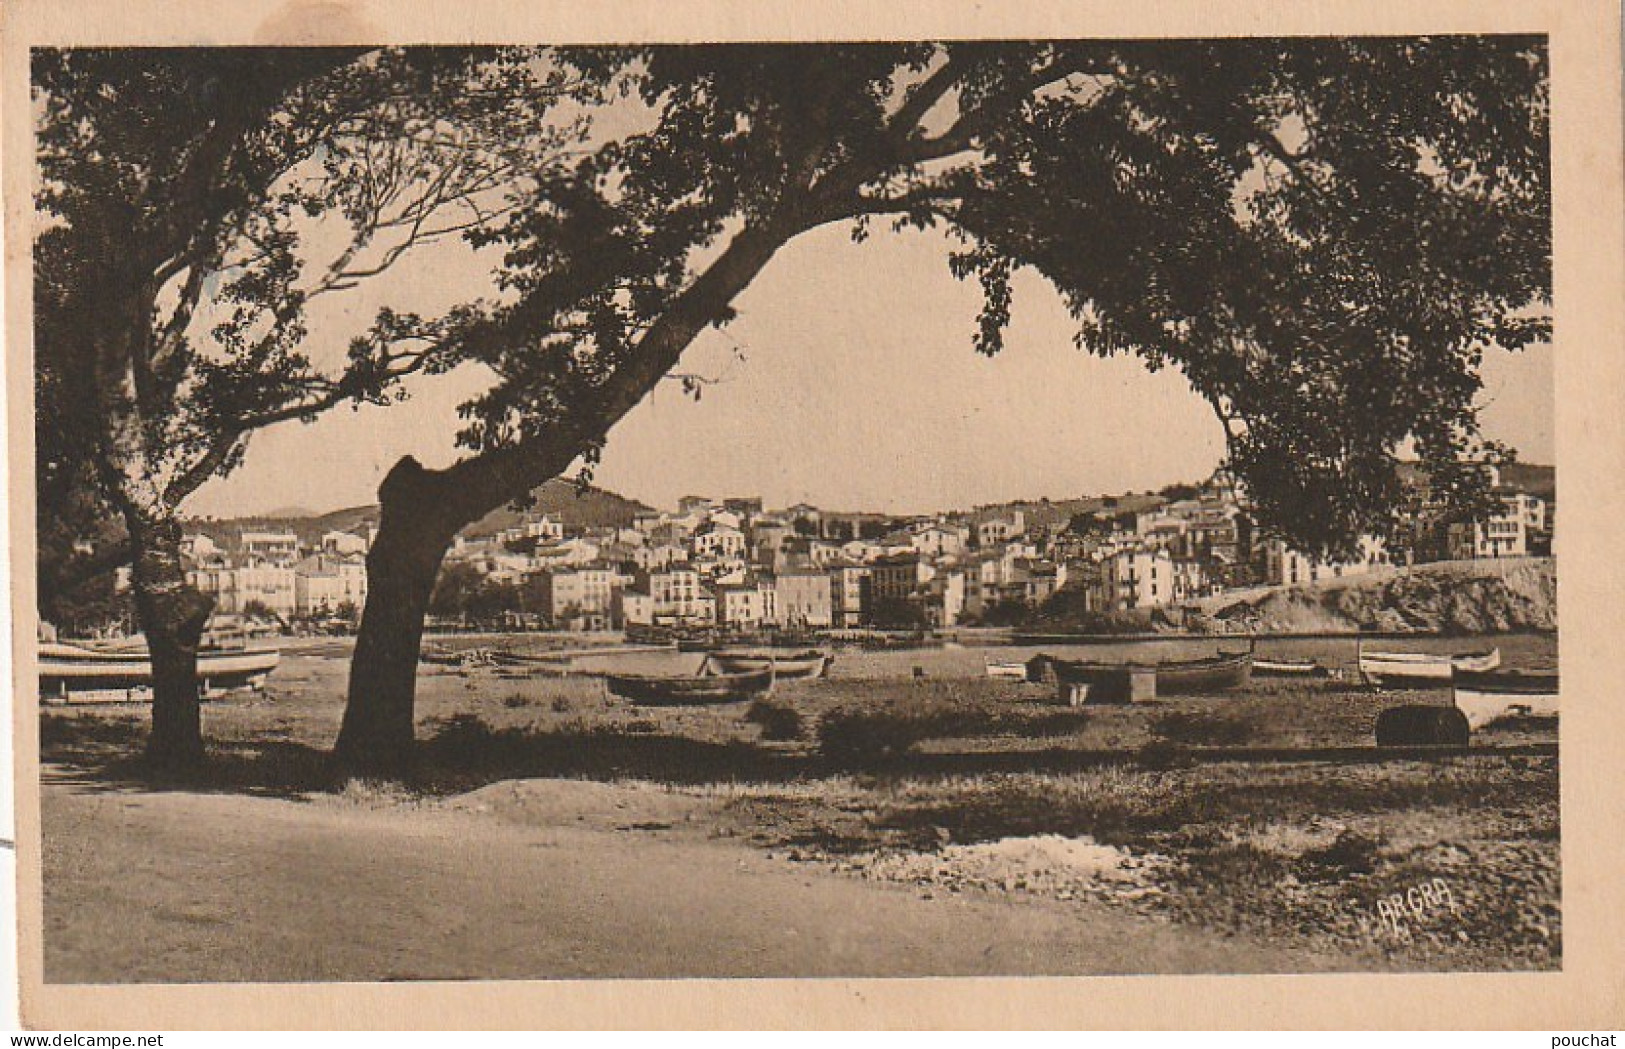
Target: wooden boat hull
{"x": 1289, "y": 668}
{"x": 644, "y": 634}
{"x": 786, "y": 667}
{"x": 1422, "y": 670}
{"x": 648, "y": 690}
{"x": 1489, "y": 697}
{"x": 1197, "y": 676}
{"x": 1014, "y": 671}
{"x": 92, "y": 676}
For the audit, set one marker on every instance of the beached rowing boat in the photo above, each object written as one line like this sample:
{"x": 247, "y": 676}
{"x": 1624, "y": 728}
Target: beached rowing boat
{"x": 1113, "y": 682}
{"x": 1289, "y": 668}
{"x": 70, "y": 673}
{"x": 689, "y": 690}
{"x": 1487, "y": 697}
{"x": 1016, "y": 670}
{"x": 1422, "y": 669}
{"x": 786, "y": 666}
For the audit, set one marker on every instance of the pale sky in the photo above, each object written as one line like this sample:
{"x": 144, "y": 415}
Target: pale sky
{"x": 859, "y": 390}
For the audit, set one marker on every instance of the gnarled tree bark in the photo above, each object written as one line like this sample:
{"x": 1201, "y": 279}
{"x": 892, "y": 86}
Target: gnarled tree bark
{"x": 421, "y": 510}
{"x": 413, "y": 536}
{"x": 173, "y": 615}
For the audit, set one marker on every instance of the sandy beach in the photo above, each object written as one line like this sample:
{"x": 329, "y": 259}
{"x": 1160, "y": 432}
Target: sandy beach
{"x": 554, "y": 831}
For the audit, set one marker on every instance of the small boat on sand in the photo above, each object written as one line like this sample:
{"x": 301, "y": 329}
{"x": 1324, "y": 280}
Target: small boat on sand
{"x": 1015, "y": 670}
{"x": 786, "y": 666}
{"x": 1487, "y": 697}
{"x": 1301, "y": 668}
{"x": 71, "y": 673}
{"x": 442, "y": 656}
{"x": 482, "y": 656}
{"x": 689, "y": 690}
{"x": 1220, "y": 673}
{"x": 1422, "y": 669}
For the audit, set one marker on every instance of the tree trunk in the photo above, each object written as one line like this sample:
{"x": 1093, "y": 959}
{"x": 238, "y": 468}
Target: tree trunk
{"x": 421, "y": 510}
{"x": 173, "y": 615}
{"x": 413, "y": 535}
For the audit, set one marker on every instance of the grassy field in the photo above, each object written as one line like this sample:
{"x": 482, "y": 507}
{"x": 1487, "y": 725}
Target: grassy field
{"x": 1266, "y": 813}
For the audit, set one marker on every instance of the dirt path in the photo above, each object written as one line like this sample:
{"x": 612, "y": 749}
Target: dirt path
{"x": 189, "y": 887}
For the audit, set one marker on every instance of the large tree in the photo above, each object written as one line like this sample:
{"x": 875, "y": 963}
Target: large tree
{"x": 186, "y": 199}
{"x": 1324, "y": 235}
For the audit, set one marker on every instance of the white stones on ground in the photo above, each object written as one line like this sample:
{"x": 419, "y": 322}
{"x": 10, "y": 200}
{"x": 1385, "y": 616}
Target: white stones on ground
{"x": 1047, "y": 865}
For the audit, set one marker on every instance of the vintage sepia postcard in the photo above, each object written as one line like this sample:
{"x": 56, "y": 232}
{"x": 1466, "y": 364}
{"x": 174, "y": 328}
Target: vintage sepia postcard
{"x": 721, "y": 514}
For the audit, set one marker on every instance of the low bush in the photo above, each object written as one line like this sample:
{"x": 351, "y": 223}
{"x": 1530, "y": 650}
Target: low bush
{"x": 1064, "y": 611}
{"x": 1161, "y": 755}
{"x": 779, "y": 722}
{"x": 1351, "y": 853}
{"x": 868, "y": 735}
{"x": 1199, "y": 728}
{"x": 859, "y": 733}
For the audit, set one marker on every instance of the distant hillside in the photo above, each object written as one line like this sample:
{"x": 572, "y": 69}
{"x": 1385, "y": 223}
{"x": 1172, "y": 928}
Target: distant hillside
{"x": 1531, "y": 478}
{"x": 592, "y": 508}
{"x": 225, "y": 531}
{"x": 1042, "y": 513}
{"x": 589, "y": 508}
{"x": 1526, "y": 477}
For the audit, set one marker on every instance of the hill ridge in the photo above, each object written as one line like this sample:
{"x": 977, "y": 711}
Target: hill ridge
{"x": 558, "y": 496}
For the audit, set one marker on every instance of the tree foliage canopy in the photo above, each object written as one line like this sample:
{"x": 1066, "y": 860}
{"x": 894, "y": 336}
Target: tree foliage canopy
{"x": 196, "y": 201}
{"x": 1324, "y": 235}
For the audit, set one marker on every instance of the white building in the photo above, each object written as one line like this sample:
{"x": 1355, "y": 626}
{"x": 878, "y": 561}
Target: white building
{"x": 1285, "y": 566}
{"x": 804, "y": 598}
{"x": 1133, "y": 579}
{"x": 937, "y": 540}
{"x": 746, "y": 606}
{"x": 1001, "y": 529}
{"x": 576, "y": 551}
{"x": 343, "y": 543}
{"x": 274, "y": 547}
{"x": 723, "y": 542}
{"x": 233, "y": 589}
{"x": 199, "y": 547}
{"x": 851, "y": 594}
{"x": 324, "y": 582}
{"x": 678, "y": 595}
{"x": 943, "y": 597}
{"x": 584, "y": 595}
{"x": 1503, "y": 534}
{"x": 634, "y": 607}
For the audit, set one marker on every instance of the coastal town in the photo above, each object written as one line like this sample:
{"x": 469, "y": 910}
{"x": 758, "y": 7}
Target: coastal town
{"x": 730, "y": 565}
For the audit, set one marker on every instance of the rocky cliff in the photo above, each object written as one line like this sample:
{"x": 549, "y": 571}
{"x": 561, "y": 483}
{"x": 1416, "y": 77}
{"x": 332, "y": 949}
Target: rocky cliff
{"x": 1465, "y": 597}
